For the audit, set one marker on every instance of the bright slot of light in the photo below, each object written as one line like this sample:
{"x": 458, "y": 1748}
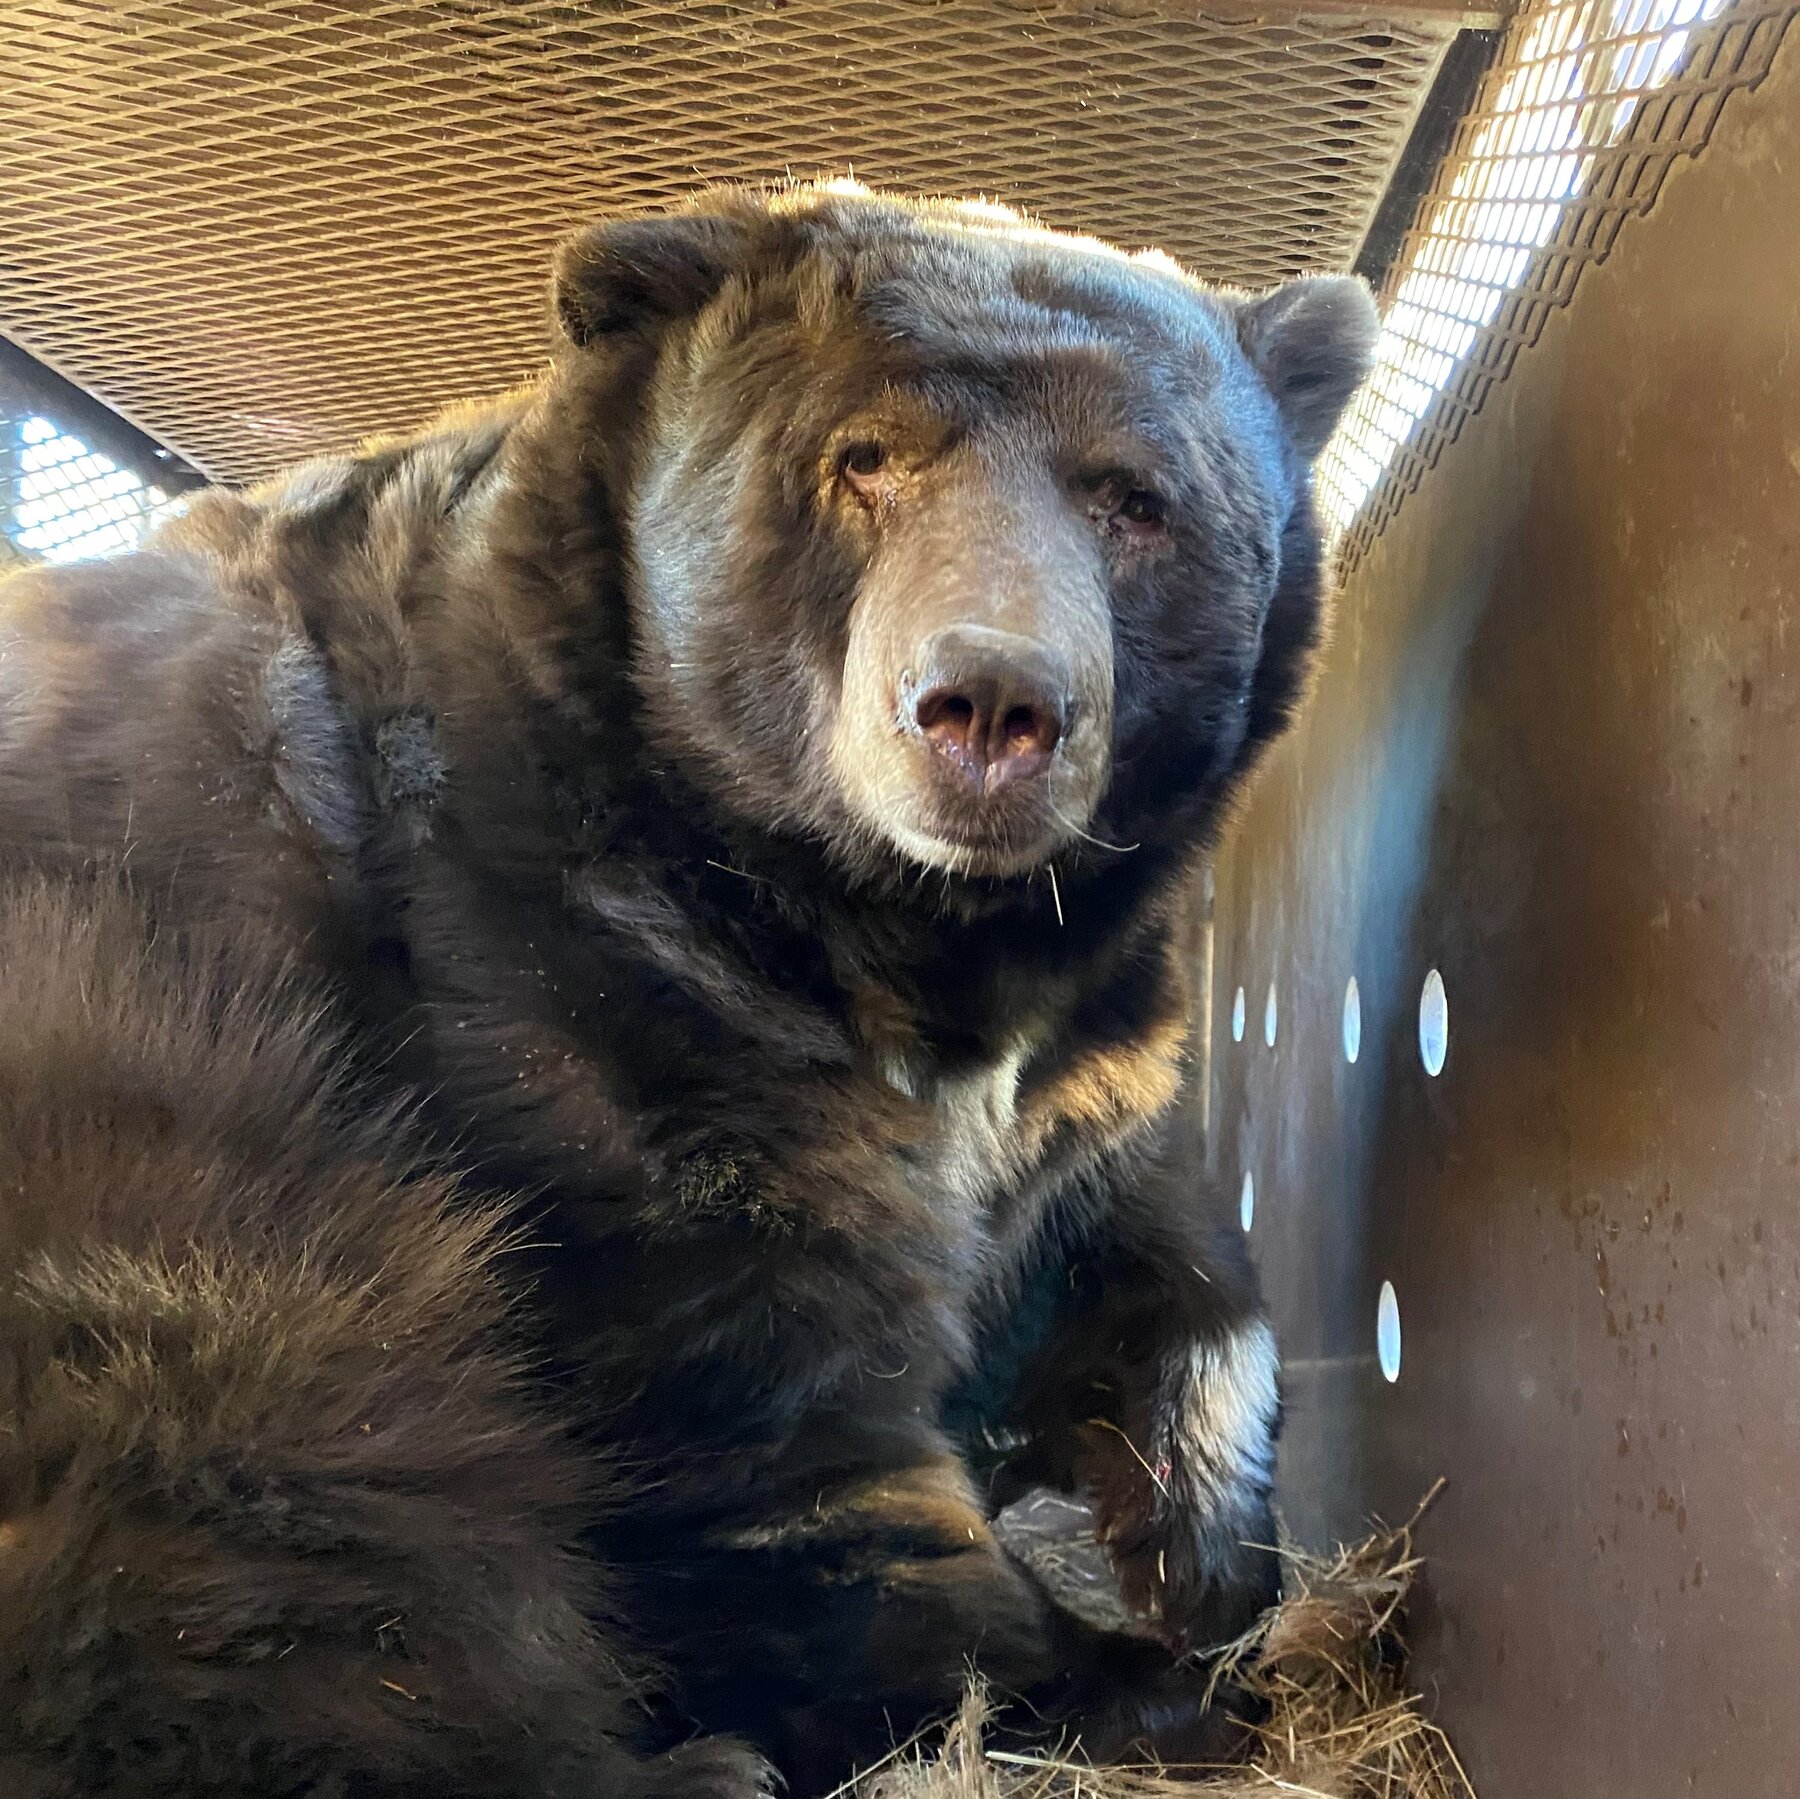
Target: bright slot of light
{"x": 1572, "y": 92}
{"x": 73, "y": 502}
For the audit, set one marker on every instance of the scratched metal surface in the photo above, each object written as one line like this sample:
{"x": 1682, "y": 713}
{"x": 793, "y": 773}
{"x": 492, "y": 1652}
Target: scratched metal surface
{"x": 1555, "y": 754}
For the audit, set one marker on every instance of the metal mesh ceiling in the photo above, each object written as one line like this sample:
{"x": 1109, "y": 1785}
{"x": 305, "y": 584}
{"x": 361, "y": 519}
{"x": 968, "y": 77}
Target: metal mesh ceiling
{"x": 260, "y": 230}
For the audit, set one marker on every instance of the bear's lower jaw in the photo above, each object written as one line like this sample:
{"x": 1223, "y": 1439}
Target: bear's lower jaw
{"x": 984, "y": 856}
{"x": 933, "y": 823}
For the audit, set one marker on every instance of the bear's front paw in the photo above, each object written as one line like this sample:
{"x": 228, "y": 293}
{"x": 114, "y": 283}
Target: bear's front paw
{"x": 1200, "y": 1574}
{"x": 1183, "y": 1503}
{"x": 715, "y": 1768}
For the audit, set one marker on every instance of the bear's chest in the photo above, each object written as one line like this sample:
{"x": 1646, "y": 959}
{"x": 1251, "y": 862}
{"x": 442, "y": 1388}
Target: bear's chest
{"x": 999, "y": 1137}
{"x": 972, "y": 1144}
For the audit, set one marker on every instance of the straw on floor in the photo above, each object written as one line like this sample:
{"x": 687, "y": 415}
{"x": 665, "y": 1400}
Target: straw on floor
{"x": 1329, "y": 1665}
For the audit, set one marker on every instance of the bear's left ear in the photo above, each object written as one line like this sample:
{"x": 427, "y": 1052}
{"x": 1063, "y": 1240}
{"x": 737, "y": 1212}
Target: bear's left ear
{"x": 636, "y": 274}
{"x": 1312, "y": 342}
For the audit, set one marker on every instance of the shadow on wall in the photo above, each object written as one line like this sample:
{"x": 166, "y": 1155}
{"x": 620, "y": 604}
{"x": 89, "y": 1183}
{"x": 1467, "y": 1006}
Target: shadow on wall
{"x": 1555, "y": 752}
{"x": 1323, "y": 881}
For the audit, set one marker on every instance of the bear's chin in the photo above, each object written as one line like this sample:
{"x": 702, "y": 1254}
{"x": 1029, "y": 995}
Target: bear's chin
{"x": 986, "y": 856}
{"x": 924, "y": 815}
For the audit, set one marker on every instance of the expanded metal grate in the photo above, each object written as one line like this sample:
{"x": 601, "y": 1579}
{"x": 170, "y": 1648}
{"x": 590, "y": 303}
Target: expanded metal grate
{"x": 259, "y": 230}
{"x": 1586, "y": 108}
{"x": 60, "y": 498}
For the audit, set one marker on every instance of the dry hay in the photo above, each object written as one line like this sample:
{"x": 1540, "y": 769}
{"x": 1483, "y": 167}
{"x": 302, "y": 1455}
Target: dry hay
{"x": 1328, "y": 1663}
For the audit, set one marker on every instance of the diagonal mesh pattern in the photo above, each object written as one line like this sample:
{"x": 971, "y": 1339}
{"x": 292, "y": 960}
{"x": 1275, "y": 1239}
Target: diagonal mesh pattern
{"x": 1584, "y": 111}
{"x": 60, "y": 498}
{"x": 259, "y": 230}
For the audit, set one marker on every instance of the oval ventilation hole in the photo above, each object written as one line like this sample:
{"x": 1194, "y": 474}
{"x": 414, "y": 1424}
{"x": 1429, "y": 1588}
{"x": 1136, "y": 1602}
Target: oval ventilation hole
{"x": 1352, "y": 1021}
{"x": 1434, "y": 1024}
{"x": 1247, "y": 1201}
{"x": 1387, "y": 1332}
{"x": 1269, "y": 1017}
{"x": 1237, "y": 1017}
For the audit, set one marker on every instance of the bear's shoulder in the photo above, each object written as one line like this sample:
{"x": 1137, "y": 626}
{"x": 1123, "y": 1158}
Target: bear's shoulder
{"x": 157, "y": 722}
{"x": 204, "y": 713}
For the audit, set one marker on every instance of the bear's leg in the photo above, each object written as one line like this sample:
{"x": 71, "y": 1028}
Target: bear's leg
{"x": 844, "y": 1599}
{"x": 1157, "y": 1393}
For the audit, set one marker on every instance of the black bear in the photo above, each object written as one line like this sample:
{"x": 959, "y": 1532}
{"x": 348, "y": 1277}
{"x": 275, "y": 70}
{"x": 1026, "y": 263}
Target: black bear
{"x": 732, "y": 801}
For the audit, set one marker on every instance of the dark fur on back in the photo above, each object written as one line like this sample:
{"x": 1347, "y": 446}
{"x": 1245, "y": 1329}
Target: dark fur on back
{"x": 276, "y": 1515}
{"x": 536, "y": 741}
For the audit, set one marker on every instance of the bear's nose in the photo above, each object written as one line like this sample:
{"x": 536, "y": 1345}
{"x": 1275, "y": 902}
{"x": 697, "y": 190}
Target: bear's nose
{"x": 992, "y": 703}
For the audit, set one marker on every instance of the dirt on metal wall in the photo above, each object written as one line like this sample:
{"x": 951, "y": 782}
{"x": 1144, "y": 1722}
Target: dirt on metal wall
{"x": 1555, "y": 755}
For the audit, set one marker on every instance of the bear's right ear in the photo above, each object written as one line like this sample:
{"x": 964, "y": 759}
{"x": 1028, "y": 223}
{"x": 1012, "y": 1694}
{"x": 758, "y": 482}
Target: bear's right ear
{"x": 1312, "y": 341}
{"x": 636, "y": 274}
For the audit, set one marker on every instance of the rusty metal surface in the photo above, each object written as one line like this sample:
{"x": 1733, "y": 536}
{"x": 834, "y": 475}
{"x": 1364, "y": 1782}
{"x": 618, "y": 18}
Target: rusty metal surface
{"x": 1556, "y": 755}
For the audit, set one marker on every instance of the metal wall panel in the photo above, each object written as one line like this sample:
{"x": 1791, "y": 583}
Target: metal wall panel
{"x": 1555, "y": 754}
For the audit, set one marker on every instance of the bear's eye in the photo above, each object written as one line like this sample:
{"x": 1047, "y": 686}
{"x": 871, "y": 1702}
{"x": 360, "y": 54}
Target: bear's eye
{"x": 862, "y": 460}
{"x": 1143, "y": 510}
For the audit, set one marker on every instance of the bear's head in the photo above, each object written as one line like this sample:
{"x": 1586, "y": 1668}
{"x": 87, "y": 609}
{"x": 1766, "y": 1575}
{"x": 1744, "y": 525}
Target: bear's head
{"x": 952, "y": 543}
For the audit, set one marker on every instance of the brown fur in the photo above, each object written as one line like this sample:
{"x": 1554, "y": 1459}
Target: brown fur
{"x": 558, "y": 745}
{"x": 280, "y": 1517}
